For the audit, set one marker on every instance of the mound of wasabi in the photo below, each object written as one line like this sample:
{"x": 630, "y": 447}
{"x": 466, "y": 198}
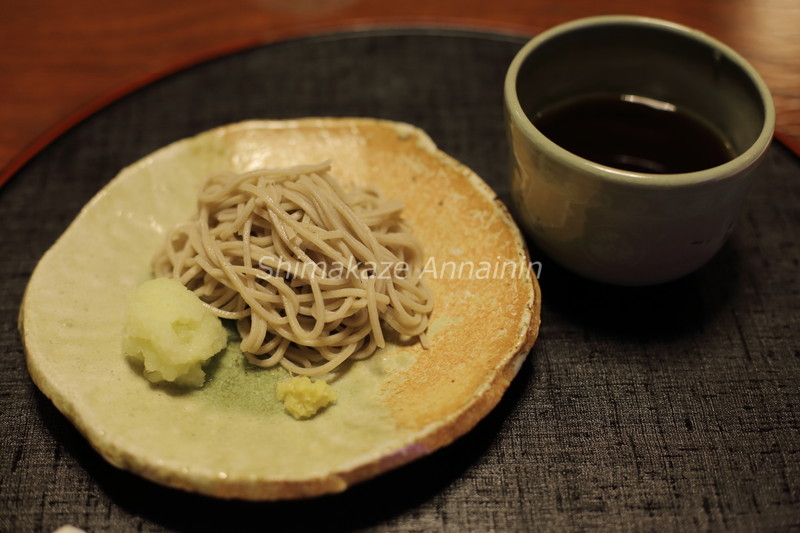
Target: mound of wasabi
{"x": 303, "y": 397}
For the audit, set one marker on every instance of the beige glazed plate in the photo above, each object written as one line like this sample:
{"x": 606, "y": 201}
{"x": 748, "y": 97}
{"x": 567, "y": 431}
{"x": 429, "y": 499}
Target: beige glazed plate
{"x": 231, "y": 438}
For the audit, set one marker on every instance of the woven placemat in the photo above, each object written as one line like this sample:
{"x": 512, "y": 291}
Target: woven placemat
{"x": 666, "y": 408}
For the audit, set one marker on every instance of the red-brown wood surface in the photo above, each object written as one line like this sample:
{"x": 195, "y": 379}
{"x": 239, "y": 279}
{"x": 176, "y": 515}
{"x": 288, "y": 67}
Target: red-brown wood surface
{"x": 60, "y": 59}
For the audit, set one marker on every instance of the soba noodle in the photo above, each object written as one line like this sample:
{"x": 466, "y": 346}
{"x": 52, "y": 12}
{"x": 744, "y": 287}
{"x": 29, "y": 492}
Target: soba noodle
{"x": 308, "y": 270}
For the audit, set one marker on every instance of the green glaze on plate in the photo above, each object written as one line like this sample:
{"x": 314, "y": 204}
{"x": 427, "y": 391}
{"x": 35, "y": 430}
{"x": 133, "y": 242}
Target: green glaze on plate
{"x": 232, "y": 438}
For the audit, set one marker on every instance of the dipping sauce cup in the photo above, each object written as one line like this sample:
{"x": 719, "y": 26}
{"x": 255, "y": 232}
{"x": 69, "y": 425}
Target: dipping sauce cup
{"x": 633, "y": 142}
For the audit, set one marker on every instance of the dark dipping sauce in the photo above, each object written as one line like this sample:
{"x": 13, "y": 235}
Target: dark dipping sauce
{"x": 635, "y": 134}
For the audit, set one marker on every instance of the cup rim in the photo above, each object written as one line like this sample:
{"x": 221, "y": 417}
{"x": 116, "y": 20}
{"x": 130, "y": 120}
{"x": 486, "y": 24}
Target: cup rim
{"x": 640, "y": 179}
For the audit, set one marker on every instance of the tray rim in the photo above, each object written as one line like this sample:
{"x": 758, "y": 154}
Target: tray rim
{"x": 286, "y": 37}
{"x": 477, "y": 30}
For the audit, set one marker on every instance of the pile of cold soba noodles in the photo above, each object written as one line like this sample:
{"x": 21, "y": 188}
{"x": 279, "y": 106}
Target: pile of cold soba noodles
{"x": 308, "y": 270}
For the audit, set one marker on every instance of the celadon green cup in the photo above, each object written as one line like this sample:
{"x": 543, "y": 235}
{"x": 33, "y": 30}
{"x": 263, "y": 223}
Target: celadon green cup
{"x": 618, "y": 226}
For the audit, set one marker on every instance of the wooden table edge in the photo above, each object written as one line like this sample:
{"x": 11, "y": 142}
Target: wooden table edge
{"x": 294, "y": 32}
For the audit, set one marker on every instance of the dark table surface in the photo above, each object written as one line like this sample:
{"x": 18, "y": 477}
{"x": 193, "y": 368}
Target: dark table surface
{"x": 672, "y": 407}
